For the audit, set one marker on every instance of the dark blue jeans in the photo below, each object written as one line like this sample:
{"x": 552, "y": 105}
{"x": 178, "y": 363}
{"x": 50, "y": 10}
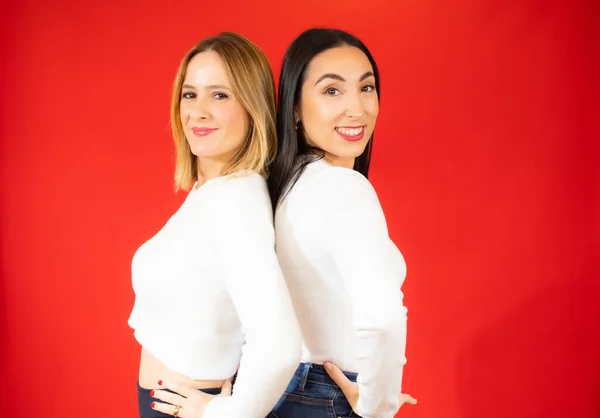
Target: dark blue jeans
{"x": 312, "y": 394}
{"x": 144, "y": 401}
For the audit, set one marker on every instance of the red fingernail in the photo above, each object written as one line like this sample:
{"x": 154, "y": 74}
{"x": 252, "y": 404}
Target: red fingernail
{"x": 152, "y": 393}
{"x": 160, "y": 383}
{"x": 152, "y": 405}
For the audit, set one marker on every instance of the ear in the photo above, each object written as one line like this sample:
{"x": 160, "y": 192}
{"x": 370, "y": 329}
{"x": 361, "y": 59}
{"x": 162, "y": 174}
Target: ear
{"x": 297, "y": 116}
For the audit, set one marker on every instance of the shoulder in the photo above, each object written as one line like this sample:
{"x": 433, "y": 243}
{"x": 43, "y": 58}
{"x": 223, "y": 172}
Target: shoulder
{"x": 241, "y": 191}
{"x": 241, "y": 185}
{"x": 321, "y": 180}
{"x": 336, "y": 195}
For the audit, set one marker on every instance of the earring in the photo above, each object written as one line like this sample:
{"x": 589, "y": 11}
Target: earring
{"x": 297, "y": 122}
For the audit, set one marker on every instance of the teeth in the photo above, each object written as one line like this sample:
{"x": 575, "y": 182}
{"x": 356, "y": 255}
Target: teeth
{"x": 350, "y": 131}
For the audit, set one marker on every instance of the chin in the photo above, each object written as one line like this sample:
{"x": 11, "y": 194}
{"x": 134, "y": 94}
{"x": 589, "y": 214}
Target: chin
{"x": 354, "y": 151}
{"x": 202, "y": 152}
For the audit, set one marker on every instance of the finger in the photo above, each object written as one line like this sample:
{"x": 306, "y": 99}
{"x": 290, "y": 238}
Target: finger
{"x": 406, "y": 398}
{"x": 168, "y": 397}
{"x": 165, "y": 408}
{"x": 337, "y": 375}
{"x": 183, "y": 390}
{"x": 226, "y": 388}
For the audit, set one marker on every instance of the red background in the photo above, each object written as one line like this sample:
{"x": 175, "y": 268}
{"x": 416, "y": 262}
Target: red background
{"x": 485, "y": 161}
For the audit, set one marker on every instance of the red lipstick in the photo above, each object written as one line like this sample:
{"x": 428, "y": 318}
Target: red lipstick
{"x": 348, "y": 135}
{"x": 203, "y": 131}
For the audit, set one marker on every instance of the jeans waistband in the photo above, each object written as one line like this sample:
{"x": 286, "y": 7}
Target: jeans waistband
{"x": 146, "y": 392}
{"x": 316, "y": 373}
{"x": 145, "y": 400}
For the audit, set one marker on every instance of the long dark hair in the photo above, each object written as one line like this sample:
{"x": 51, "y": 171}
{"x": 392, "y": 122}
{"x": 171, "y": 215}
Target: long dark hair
{"x": 294, "y": 153}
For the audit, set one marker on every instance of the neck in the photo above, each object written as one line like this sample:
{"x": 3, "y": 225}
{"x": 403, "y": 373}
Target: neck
{"x": 336, "y": 161}
{"x": 209, "y": 169}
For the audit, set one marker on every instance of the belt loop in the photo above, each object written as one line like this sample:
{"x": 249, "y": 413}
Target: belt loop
{"x": 304, "y": 374}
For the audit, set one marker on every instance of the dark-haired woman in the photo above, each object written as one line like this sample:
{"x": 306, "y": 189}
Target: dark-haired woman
{"x": 343, "y": 272}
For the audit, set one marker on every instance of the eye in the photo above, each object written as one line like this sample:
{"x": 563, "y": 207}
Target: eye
{"x": 368, "y": 88}
{"x": 188, "y": 95}
{"x": 332, "y": 91}
{"x": 220, "y": 96}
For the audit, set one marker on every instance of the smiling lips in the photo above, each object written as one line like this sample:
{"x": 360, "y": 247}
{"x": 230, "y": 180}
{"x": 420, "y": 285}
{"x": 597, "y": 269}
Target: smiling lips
{"x": 203, "y": 131}
{"x": 351, "y": 133}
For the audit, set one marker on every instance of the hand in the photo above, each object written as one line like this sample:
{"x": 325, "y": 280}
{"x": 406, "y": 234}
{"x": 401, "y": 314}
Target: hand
{"x": 187, "y": 402}
{"x": 350, "y": 389}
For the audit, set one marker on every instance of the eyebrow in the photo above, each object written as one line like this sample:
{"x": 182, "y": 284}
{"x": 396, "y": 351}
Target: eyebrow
{"x": 340, "y": 78}
{"x": 210, "y": 87}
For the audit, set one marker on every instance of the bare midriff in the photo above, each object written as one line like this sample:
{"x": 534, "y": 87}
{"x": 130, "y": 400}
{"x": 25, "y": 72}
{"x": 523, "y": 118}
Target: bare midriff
{"x": 152, "y": 370}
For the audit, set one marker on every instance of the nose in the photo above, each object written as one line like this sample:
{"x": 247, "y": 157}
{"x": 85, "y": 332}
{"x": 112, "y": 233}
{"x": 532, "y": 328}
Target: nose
{"x": 355, "y": 107}
{"x": 199, "y": 111}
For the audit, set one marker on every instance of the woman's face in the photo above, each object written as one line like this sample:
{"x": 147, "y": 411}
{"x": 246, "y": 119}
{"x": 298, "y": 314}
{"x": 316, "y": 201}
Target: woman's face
{"x": 339, "y": 105}
{"x": 215, "y": 123}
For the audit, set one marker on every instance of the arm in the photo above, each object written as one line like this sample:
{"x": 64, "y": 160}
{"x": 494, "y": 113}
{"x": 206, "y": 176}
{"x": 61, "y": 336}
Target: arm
{"x": 257, "y": 288}
{"x": 358, "y": 240}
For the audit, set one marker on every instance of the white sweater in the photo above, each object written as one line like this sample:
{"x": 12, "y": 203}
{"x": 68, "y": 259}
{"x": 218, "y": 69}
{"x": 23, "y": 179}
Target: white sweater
{"x": 210, "y": 280}
{"x": 344, "y": 275}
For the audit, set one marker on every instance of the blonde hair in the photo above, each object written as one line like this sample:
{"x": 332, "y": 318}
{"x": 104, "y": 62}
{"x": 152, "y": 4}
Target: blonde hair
{"x": 253, "y": 85}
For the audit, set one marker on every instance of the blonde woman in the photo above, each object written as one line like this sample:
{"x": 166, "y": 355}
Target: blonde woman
{"x": 209, "y": 283}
